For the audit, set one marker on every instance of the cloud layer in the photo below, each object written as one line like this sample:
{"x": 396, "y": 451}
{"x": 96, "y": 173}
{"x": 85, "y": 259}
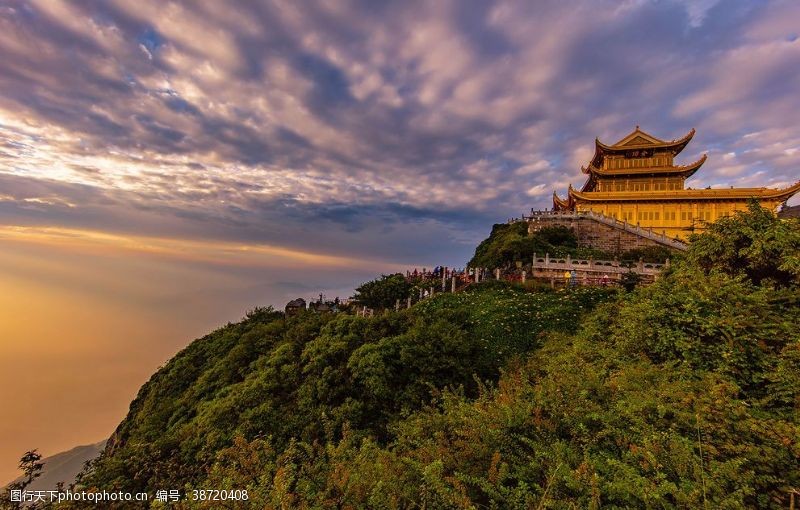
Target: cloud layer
{"x": 396, "y": 130}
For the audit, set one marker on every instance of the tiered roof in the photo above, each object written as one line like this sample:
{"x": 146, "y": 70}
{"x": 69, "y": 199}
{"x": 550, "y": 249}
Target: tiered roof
{"x": 686, "y": 194}
{"x": 638, "y": 139}
{"x": 684, "y": 171}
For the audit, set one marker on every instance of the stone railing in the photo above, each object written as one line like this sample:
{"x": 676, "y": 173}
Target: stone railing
{"x": 647, "y": 233}
{"x": 611, "y": 267}
{"x": 581, "y": 271}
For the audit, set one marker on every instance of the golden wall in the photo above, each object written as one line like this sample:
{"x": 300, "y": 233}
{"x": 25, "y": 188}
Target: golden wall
{"x": 675, "y": 219}
{"x": 641, "y": 184}
{"x": 618, "y": 162}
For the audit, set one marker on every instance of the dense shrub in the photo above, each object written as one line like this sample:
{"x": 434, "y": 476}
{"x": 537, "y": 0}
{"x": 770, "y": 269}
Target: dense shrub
{"x": 383, "y": 292}
{"x": 755, "y": 244}
{"x": 310, "y": 379}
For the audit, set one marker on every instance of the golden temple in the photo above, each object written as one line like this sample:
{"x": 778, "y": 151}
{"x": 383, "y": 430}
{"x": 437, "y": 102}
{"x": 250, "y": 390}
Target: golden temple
{"x": 636, "y": 180}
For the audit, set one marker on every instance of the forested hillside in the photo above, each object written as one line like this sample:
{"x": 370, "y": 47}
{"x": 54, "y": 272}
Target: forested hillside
{"x": 313, "y": 380}
{"x": 682, "y": 394}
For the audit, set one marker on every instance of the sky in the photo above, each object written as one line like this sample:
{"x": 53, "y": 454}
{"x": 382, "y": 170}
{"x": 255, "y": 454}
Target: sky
{"x": 167, "y": 165}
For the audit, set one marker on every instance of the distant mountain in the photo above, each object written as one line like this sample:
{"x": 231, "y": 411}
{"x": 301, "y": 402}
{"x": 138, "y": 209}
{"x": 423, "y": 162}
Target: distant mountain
{"x": 792, "y": 211}
{"x": 64, "y": 466}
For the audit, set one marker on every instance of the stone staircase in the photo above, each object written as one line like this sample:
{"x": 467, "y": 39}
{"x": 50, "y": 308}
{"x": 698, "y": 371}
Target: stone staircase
{"x": 624, "y": 226}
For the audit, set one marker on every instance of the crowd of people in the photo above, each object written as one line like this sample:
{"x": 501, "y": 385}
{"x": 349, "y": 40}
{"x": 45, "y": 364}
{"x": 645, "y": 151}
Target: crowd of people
{"x": 439, "y": 272}
{"x": 470, "y": 274}
{"x": 462, "y": 275}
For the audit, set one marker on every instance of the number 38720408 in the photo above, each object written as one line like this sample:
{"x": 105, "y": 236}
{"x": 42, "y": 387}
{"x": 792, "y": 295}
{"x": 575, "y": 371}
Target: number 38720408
{"x": 219, "y": 495}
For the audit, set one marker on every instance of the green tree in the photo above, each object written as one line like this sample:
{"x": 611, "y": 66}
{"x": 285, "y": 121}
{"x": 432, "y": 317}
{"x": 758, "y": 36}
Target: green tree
{"x": 558, "y": 236}
{"x": 630, "y": 280}
{"x": 31, "y": 468}
{"x": 383, "y": 293}
{"x": 755, "y": 243}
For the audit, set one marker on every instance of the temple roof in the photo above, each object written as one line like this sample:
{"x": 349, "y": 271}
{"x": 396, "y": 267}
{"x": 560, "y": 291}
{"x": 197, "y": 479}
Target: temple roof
{"x": 638, "y": 139}
{"x": 687, "y": 194}
{"x": 560, "y": 204}
{"x": 685, "y": 170}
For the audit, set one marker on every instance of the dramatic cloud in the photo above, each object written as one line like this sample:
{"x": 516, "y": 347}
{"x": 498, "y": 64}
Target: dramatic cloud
{"x": 367, "y": 126}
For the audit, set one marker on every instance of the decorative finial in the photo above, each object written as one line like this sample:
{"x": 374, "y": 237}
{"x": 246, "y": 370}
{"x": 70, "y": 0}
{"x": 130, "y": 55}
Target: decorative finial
{"x": 637, "y": 127}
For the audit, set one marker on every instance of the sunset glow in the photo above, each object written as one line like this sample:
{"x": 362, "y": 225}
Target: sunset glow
{"x": 167, "y": 165}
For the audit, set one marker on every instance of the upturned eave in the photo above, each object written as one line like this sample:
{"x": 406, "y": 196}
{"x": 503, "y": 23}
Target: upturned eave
{"x": 688, "y": 194}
